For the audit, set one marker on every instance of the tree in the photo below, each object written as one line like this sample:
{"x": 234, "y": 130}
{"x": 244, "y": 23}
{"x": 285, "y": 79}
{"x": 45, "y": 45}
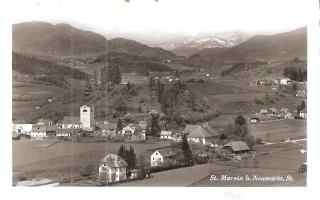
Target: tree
{"x": 303, "y": 105}
{"x": 122, "y": 151}
{"x": 128, "y": 155}
{"x": 154, "y": 129}
{"x": 119, "y": 125}
{"x": 132, "y": 161}
{"x": 240, "y": 120}
{"x": 128, "y": 86}
{"x": 187, "y": 154}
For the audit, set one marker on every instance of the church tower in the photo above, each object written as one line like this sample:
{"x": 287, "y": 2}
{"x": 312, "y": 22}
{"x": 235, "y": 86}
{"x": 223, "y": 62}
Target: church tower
{"x": 87, "y": 117}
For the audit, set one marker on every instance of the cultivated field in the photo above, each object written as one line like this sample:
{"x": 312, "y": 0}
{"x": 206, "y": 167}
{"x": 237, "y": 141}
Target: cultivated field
{"x": 51, "y": 159}
{"x": 272, "y": 160}
{"x": 279, "y": 130}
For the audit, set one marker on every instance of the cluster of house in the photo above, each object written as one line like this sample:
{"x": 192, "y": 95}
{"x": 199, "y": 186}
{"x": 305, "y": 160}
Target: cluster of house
{"x": 70, "y": 125}
{"x": 165, "y": 76}
{"x": 273, "y": 113}
{"x": 135, "y": 131}
{"x": 113, "y": 168}
{"x": 271, "y": 81}
{"x": 276, "y": 83}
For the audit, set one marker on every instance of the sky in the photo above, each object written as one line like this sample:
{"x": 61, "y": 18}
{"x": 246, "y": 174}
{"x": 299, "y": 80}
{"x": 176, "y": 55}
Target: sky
{"x": 166, "y": 17}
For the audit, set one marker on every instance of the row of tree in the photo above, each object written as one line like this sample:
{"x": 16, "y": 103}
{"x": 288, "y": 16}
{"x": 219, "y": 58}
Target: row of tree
{"x": 128, "y": 155}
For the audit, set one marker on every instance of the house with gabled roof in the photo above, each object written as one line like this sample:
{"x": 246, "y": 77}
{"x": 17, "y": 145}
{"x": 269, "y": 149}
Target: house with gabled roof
{"x": 165, "y": 156}
{"x": 203, "y": 134}
{"x": 38, "y": 131}
{"x": 112, "y": 168}
{"x": 237, "y": 147}
{"x": 46, "y": 122}
{"x": 71, "y": 122}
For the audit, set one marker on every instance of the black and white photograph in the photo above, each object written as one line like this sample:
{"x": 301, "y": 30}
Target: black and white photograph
{"x": 158, "y": 93}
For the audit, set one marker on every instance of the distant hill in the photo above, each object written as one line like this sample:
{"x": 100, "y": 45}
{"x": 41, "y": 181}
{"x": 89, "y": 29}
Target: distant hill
{"x": 261, "y": 47}
{"x": 131, "y": 63}
{"x": 132, "y": 47}
{"x": 56, "y": 40}
{"x": 63, "y": 40}
{"x": 45, "y": 71}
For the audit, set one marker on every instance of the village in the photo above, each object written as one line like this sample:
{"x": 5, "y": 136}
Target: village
{"x": 130, "y": 114}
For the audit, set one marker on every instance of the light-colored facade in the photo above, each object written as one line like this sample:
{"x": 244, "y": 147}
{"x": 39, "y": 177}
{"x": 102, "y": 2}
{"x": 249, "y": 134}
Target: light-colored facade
{"x": 38, "y": 131}
{"x": 22, "y": 128}
{"x": 162, "y": 157}
{"x": 156, "y": 159}
{"x": 112, "y": 168}
{"x": 87, "y": 117}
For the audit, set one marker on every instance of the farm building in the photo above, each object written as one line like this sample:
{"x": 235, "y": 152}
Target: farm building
{"x": 108, "y": 128}
{"x": 166, "y": 135}
{"x": 285, "y": 81}
{"x": 237, "y": 147}
{"x": 201, "y": 134}
{"x": 133, "y": 130}
{"x": 38, "y": 131}
{"x": 264, "y": 111}
{"x": 45, "y": 122}
{"x": 52, "y": 130}
{"x": 22, "y": 128}
{"x": 254, "y": 119}
{"x": 164, "y": 156}
{"x": 112, "y": 168}
{"x": 303, "y": 113}
{"x": 301, "y": 93}
{"x": 272, "y": 111}
{"x": 71, "y": 122}
{"x": 67, "y": 132}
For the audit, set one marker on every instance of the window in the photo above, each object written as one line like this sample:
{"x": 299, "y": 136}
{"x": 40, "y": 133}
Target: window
{"x": 84, "y": 110}
{"x": 153, "y": 158}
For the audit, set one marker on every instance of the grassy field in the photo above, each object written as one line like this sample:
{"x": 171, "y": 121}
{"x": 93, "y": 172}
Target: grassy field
{"x": 279, "y": 130}
{"x": 273, "y": 160}
{"x": 45, "y": 158}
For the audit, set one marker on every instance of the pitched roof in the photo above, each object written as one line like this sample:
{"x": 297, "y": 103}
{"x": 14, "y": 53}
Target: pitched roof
{"x": 143, "y": 124}
{"x": 38, "y": 128}
{"x": 196, "y": 131}
{"x": 285, "y": 110}
{"x": 44, "y": 121}
{"x": 52, "y": 128}
{"x": 71, "y": 120}
{"x": 108, "y": 126}
{"x": 166, "y": 133}
{"x": 238, "y": 146}
{"x": 167, "y": 152}
{"x": 68, "y": 130}
{"x": 273, "y": 109}
{"x": 113, "y": 160}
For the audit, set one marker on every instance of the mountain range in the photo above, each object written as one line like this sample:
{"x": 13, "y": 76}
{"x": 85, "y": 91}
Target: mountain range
{"x": 63, "y": 40}
{"x": 258, "y": 48}
{"x": 207, "y": 50}
{"x": 190, "y": 45}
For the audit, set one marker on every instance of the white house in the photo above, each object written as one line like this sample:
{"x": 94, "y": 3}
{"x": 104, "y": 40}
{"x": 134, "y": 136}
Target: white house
{"x": 71, "y": 122}
{"x": 46, "y": 122}
{"x": 39, "y": 131}
{"x": 203, "y": 134}
{"x": 163, "y": 156}
{"x": 22, "y": 128}
{"x": 166, "y": 135}
{"x": 112, "y": 168}
{"x": 285, "y": 81}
